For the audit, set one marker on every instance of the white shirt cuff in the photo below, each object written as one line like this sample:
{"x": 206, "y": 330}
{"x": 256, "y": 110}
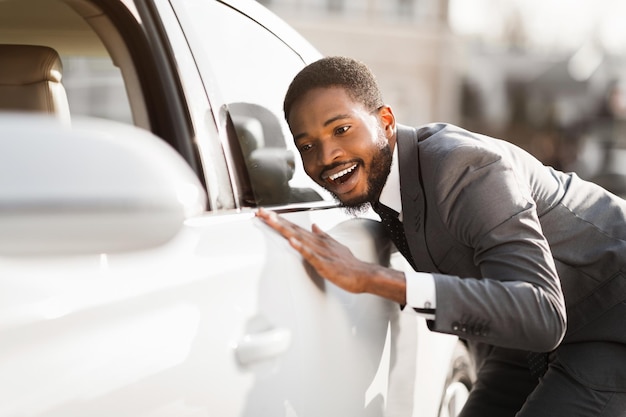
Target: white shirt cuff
{"x": 420, "y": 293}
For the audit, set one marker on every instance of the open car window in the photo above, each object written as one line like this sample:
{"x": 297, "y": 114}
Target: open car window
{"x": 95, "y": 87}
{"x": 109, "y": 67}
{"x": 93, "y": 81}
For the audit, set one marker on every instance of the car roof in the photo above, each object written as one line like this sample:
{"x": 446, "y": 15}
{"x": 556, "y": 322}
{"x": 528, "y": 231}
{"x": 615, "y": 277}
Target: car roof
{"x": 38, "y": 22}
{"x": 274, "y": 24}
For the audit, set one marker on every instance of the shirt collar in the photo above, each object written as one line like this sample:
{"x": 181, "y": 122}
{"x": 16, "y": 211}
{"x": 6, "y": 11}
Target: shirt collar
{"x": 390, "y": 195}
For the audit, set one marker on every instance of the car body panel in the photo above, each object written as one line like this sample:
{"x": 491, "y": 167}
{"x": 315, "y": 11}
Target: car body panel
{"x": 129, "y": 321}
{"x": 208, "y": 311}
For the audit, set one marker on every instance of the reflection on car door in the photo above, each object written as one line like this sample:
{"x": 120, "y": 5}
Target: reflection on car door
{"x": 283, "y": 339}
{"x": 299, "y": 340}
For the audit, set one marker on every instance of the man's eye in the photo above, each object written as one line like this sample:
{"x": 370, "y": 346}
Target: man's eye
{"x": 305, "y": 148}
{"x": 341, "y": 130}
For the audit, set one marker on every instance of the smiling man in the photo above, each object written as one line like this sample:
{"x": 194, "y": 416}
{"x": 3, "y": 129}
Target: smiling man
{"x": 326, "y": 123}
{"x": 525, "y": 263}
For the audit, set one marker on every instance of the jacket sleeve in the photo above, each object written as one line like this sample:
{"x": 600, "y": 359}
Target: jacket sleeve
{"x": 517, "y": 301}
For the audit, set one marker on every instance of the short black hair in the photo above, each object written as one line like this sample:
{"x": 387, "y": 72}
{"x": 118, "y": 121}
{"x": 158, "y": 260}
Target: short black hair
{"x": 336, "y": 71}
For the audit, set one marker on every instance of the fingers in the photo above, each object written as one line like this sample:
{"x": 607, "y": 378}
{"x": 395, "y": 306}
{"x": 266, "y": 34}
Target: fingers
{"x": 294, "y": 234}
{"x": 329, "y": 258}
{"x": 268, "y": 217}
{"x": 300, "y": 239}
{"x": 284, "y": 227}
{"x": 316, "y": 229}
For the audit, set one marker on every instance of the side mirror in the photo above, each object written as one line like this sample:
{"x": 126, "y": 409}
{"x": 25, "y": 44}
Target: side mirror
{"x": 95, "y": 187}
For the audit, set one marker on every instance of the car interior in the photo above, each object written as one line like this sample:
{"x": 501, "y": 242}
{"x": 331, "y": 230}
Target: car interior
{"x": 32, "y": 81}
{"x": 93, "y": 58}
{"x": 99, "y": 54}
{"x": 108, "y": 68}
{"x": 81, "y": 35}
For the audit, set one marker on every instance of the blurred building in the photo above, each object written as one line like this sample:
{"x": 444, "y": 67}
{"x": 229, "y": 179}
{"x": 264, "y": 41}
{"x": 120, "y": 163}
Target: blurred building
{"x": 566, "y": 107}
{"x": 407, "y": 43}
{"x": 534, "y": 72}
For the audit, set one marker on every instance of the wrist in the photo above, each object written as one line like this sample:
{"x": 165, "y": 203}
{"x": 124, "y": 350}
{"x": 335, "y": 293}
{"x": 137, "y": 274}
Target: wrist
{"x": 386, "y": 282}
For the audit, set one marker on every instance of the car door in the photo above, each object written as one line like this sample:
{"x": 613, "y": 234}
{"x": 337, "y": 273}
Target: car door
{"x": 222, "y": 319}
{"x": 337, "y": 342}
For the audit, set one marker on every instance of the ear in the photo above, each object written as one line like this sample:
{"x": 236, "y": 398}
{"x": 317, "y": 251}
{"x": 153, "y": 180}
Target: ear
{"x": 387, "y": 121}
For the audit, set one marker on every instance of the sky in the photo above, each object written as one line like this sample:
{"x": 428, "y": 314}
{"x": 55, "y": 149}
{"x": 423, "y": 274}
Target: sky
{"x": 549, "y": 24}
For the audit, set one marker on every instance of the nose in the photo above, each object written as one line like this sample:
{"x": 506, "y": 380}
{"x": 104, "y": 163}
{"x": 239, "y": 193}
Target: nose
{"x": 328, "y": 152}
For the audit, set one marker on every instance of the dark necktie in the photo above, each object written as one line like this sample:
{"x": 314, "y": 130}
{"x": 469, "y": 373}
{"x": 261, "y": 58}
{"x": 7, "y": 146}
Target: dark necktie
{"x": 537, "y": 363}
{"x": 393, "y": 225}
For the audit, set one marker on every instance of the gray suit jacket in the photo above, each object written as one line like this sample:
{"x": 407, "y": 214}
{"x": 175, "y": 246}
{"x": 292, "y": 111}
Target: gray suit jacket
{"x": 525, "y": 257}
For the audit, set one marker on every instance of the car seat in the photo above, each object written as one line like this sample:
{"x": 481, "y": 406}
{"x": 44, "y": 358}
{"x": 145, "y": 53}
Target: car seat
{"x": 30, "y": 80}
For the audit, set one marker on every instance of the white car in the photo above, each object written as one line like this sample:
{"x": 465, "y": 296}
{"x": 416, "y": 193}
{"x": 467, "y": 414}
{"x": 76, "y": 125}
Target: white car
{"x": 135, "y": 279}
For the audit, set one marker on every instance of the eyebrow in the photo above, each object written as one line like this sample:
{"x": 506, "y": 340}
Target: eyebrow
{"x": 326, "y": 123}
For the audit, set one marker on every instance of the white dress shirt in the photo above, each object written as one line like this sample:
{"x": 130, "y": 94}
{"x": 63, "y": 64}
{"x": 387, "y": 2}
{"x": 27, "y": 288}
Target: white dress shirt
{"x": 420, "y": 286}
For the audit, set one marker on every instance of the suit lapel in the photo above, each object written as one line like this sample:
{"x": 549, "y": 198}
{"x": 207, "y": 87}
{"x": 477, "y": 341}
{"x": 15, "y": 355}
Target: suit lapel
{"x": 413, "y": 202}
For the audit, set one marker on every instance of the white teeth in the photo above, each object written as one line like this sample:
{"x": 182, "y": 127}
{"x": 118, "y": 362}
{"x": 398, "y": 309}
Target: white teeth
{"x": 342, "y": 173}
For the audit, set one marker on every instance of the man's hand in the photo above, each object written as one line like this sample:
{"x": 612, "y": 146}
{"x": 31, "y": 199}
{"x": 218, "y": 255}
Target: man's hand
{"x": 336, "y": 263}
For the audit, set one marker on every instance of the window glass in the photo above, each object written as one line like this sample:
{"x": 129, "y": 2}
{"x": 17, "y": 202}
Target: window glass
{"x": 95, "y": 87}
{"x": 92, "y": 83}
{"x": 253, "y": 69}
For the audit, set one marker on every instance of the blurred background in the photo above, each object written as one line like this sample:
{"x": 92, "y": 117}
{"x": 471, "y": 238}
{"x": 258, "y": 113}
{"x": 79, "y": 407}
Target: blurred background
{"x": 548, "y": 75}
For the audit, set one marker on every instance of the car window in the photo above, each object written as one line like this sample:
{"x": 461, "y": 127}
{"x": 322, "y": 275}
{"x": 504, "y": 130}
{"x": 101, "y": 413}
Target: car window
{"x": 91, "y": 83}
{"x": 110, "y": 68}
{"x": 253, "y": 68}
{"x": 95, "y": 87}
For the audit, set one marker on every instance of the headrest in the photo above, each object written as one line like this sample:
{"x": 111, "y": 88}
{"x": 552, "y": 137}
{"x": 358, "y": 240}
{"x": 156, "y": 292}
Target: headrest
{"x": 30, "y": 80}
{"x": 29, "y": 64}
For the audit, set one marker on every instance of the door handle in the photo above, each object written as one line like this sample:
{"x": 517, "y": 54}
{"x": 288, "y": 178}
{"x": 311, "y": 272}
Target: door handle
{"x": 265, "y": 345}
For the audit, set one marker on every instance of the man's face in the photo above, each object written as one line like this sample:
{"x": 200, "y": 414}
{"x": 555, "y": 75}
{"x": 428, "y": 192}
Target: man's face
{"x": 345, "y": 147}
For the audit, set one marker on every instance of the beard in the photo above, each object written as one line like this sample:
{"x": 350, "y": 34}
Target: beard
{"x": 380, "y": 168}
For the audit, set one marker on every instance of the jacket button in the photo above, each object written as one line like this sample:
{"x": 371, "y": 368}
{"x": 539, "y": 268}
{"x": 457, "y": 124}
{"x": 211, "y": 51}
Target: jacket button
{"x": 456, "y": 326}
